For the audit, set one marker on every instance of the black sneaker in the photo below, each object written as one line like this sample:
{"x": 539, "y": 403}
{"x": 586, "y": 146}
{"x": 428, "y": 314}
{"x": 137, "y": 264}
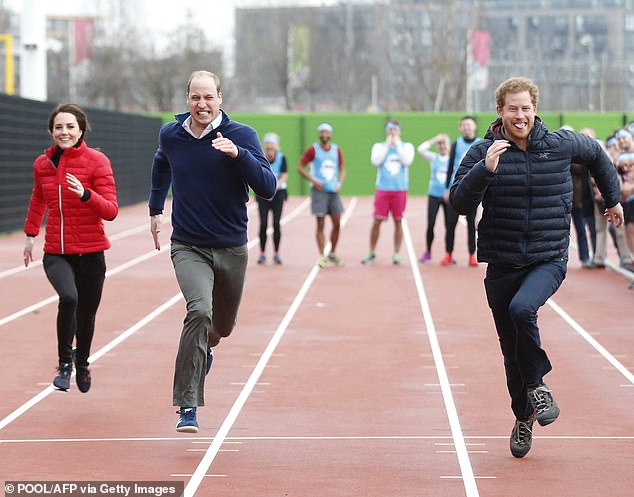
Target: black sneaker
{"x": 210, "y": 359}
{"x": 522, "y": 437}
{"x": 83, "y": 379}
{"x": 546, "y": 408}
{"x": 62, "y": 379}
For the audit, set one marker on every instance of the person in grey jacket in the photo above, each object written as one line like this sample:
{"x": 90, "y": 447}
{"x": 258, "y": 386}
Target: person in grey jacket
{"x": 521, "y": 174}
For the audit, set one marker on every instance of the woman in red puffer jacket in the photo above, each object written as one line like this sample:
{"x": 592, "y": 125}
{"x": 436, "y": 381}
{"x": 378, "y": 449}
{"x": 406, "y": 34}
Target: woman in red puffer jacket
{"x": 74, "y": 184}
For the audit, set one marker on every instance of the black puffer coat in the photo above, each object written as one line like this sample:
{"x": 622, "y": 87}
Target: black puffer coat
{"x": 527, "y": 201}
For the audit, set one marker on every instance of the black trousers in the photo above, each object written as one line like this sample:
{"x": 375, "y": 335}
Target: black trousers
{"x": 515, "y": 296}
{"x": 433, "y": 205}
{"x": 78, "y": 280}
{"x": 275, "y": 205}
{"x": 452, "y": 221}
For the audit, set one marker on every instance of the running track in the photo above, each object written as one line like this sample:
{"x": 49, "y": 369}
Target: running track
{"x": 357, "y": 381}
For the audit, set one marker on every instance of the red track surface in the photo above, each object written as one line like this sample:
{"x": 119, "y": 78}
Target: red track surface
{"x": 329, "y": 385}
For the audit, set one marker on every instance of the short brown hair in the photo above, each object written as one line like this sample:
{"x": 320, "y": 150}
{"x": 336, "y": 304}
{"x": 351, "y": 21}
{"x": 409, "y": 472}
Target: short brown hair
{"x": 516, "y": 85}
{"x": 73, "y": 109}
{"x": 196, "y": 74}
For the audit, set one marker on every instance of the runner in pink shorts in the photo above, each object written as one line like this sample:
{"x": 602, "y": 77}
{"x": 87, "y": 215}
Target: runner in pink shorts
{"x": 392, "y": 159}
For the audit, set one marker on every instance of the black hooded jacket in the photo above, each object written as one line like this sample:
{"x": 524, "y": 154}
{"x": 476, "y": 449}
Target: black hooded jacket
{"x": 527, "y": 202}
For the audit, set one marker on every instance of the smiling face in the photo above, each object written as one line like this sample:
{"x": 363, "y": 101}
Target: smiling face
{"x": 518, "y": 116}
{"x": 66, "y": 131}
{"x": 203, "y": 101}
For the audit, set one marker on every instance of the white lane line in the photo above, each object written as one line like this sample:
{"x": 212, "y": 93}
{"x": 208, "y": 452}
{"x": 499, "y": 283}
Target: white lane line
{"x": 230, "y": 419}
{"x": 239, "y": 440}
{"x": 133, "y": 262}
{"x": 593, "y": 342}
{"x": 115, "y": 237}
{"x": 134, "y": 328}
{"x": 614, "y": 267}
{"x": 460, "y": 477}
{"x": 116, "y": 341}
{"x": 470, "y": 485}
{"x": 54, "y": 298}
{"x": 206, "y": 476}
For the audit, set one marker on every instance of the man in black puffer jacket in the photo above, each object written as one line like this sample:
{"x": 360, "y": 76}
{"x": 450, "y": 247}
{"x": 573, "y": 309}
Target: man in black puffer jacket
{"x": 521, "y": 174}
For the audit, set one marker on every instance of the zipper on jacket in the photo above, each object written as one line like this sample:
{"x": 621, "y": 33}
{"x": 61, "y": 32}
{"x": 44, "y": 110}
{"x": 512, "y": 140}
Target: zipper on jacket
{"x": 61, "y": 218}
{"x": 528, "y": 210}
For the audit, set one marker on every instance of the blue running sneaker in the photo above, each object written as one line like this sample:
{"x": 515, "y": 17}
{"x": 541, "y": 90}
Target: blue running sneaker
{"x": 210, "y": 359}
{"x": 187, "y": 422}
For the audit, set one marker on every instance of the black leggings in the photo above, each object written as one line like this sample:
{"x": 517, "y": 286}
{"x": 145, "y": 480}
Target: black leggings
{"x": 78, "y": 280}
{"x": 433, "y": 204}
{"x": 451, "y": 228}
{"x": 275, "y": 205}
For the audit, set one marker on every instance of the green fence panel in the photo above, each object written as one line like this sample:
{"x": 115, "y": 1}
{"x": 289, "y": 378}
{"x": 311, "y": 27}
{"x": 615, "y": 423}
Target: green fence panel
{"x": 603, "y": 123}
{"x": 355, "y": 133}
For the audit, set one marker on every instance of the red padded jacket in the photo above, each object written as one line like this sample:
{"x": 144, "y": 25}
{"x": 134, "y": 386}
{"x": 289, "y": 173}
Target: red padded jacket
{"x": 73, "y": 226}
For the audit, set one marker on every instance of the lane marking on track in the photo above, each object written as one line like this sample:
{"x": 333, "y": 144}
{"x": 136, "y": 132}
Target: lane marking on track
{"x": 468, "y": 452}
{"x": 460, "y": 477}
{"x": 126, "y": 334}
{"x": 134, "y": 262}
{"x": 594, "y": 343}
{"x": 112, "y": 238}
{"x": 206, "y": 476}
{"x": 466, "y": 470}
{"x": 609, "y": 264}
{"x": 55, "y": 298}
{"x": 104, "y": 350}
{"x": 240, "y": 440}
{"x": 239, "y": 403}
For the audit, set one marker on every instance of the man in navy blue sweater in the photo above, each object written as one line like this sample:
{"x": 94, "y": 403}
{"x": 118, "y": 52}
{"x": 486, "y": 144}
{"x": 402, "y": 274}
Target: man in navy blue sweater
{"x": 210, "y": 162}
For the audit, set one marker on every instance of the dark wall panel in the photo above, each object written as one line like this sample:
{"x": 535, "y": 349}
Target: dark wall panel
{"x": 128, "y": 140}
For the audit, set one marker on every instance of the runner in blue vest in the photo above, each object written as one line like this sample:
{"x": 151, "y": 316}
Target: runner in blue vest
{"x": 439, "y": 163}
{"x": 326, "y": 175}
{"x": 459, "y": 148}
{"x": 277, "y": 161}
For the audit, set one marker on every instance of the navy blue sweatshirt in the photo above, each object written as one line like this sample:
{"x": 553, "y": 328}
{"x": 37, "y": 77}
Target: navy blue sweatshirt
{"x": 210, "y": 189}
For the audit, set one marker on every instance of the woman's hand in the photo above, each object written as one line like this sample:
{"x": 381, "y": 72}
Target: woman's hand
{"x": 28, "y": 250}
{"x": 74, "y": 185}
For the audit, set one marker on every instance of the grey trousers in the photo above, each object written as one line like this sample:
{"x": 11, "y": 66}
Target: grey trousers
{"x": 211, "y": 281}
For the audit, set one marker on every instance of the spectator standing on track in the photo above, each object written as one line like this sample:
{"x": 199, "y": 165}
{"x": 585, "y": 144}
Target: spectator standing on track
{"x": 277, "y": 161}
{"x": 602, "y": 226}
{"x": 468, "y": 131}
{"x": 587, "y": 197}
{"x": 392, "y": 159}
{"x": 74, "y": 185}
{"x": 436, "y": 197}
{"x": 210, "y": 162}
{"x": 521, "y": 174}
{"x": 626, "y": 169}
{"x": 326, "y": 175}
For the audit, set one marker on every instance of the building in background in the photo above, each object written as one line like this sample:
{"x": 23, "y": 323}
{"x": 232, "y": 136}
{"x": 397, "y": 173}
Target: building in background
{"x": 346, "y": 55}
{"x": 435, "y": 55}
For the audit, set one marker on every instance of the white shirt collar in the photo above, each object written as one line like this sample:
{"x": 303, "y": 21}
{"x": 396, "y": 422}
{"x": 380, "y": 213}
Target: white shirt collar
{"x": 212, "y": 125}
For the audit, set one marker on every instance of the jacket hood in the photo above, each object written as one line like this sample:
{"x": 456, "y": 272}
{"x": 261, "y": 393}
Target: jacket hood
{"x": 495, "y": 130}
